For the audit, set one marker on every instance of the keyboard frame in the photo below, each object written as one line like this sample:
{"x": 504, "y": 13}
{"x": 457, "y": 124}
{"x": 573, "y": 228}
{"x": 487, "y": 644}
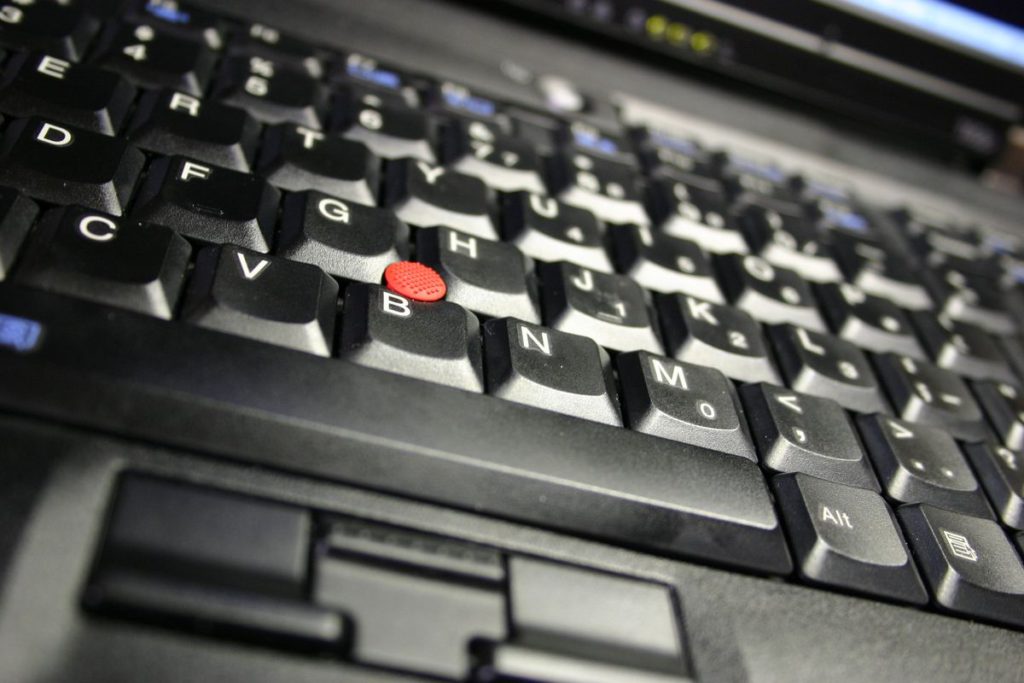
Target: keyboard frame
{"x": 740, "y": 627}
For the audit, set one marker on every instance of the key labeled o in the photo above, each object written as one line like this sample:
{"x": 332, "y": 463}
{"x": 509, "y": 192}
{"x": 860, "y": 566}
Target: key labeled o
{"x": 97, "y": 228}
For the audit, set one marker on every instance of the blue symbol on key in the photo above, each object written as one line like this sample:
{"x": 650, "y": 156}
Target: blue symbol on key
{"x": 848, "y": 220}
{"x": 19, "y": 334}
{"x": 168, "y": 11}
{"x": 593, "y": 140}
{"x": 460, "y": 98}
{"x": 368, "y": 71}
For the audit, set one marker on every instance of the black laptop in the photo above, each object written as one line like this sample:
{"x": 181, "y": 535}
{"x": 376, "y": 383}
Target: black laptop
{"x": 531, "y": 341}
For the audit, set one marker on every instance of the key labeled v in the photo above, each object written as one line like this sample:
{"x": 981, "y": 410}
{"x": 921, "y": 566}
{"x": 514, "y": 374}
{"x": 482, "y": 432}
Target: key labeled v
{"x": 251, "y": 272}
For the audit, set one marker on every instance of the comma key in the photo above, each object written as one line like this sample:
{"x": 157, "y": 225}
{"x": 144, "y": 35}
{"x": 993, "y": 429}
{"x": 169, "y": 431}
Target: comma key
{"x": 800, "y": 433}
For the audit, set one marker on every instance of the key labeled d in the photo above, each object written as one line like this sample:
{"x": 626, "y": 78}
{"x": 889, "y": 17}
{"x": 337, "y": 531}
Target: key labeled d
{"x": 52, "y": 134}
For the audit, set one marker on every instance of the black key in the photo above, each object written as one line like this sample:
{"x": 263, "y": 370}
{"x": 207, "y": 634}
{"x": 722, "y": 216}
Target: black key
{"x": 209, "y": 536}
{"x": 547, "y": 230}
{"x": 208, "y": 203}
{"x": 75, "y": 95}
{"x": 438, "y": 342}
{"x": 271, "y": 299}
{"x": 769, "y": 294}
{"x": 539, "y": 130}
{"x": 847, "y": 537}
{"x": 844, "y": 217}
{"x": 297, "y": 158}
{"x": 272, "y": 92}
{"x": 503, "y": 162}
{"x": 665, "y": 154}
{"x": 59, "y": 29}
{"x": 799, "y": 433}
{"x": 343, "y": 238}
{"x": 386, "y": 81}
{"x": 171, "y": 122}
{"x": 102, "y": 258}
{"x": 610, "y": 309}
{"x": 756, "y": 181}
{"x": 961, "y": 347}
{"x": 823, "y": 365}
{"x": 919, "y": 464}
{"x": 390, "y": 132}
{"x": 971, "y": 299}
{"x": 880, "y": 271}
{"x": 266, "y": 41}
{"x": 1001, "y": 472}
{"x": 488, "y": 278}
{"x": 720, "y": 337}
{"x": 587, "y": 138}
{"x": 554, "y": 370}
{"x": 968, "y": 562}
{"x": 16, "y": 216}
{"x": 696, "y": 209}
{"x": 460, "y": 102}
{"x": 870, "y": 322}
{"x": 1004, "y": 405}
{"x": 789, "y": 241}
{"x": 602, "y": 620}
{"x": 66, "y": 165}
{"x": 612, "y": 191}
{"x": 664, "y": 264}
{"x": 573, "y": 470}
{"x": 923, "y": 393}
{"x": 153, "y": 58}
{"x": 183, "y": 20}
{"x": 212, "y": 561}
{"x": 425, "y": 196}
{"x": 684, "y": 402}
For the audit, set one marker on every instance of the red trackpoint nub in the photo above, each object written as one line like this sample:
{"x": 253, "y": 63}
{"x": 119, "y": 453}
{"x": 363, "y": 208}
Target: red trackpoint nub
{"x": 414, "y": 281}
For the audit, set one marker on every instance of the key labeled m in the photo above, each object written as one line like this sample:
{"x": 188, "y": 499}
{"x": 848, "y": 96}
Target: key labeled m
{"x": 672, "y": 376}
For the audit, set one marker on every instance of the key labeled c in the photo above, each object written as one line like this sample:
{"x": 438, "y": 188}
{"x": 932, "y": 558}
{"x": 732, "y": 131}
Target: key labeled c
{"x": 97, "y": 228}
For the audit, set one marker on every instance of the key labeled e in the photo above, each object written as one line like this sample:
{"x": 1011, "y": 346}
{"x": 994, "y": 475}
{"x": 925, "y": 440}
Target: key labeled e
{"x": 52, "y": 134}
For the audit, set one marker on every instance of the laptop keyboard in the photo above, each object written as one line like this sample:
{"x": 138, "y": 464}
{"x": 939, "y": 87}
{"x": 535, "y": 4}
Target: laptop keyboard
{"x": 679, "y": 349}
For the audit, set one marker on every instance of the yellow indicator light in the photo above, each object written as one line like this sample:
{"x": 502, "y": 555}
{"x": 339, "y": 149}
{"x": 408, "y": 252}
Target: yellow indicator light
{"x": 702, "y": 42}
{"x": 656, "y": 26}
{"x": 677, "y": 33}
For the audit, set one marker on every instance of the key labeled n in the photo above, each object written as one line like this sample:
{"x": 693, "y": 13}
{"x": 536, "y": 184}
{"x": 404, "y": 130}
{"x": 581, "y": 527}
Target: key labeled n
{"x": 534, "y": 340}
